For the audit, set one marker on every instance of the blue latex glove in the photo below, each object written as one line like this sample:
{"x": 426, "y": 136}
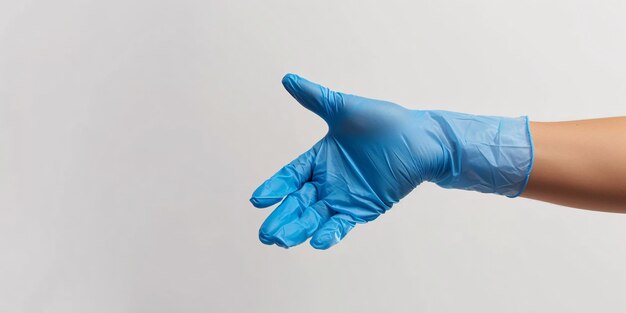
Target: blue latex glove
{"x": 375, "y": 153}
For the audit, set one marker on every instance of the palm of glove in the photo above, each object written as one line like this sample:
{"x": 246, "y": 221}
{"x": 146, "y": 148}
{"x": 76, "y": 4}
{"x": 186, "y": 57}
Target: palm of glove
{"x": 364, "y": 165}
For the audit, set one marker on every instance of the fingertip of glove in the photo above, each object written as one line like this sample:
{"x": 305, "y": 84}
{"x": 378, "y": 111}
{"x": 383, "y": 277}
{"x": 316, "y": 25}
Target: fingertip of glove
{"x": 265, "y": 239}
{"x": 256, "y": 203}
{"x": 273, "y": 240}
{"x": 281, "y": 243}
{"x": 289, "y": 77}
{"x": 289, "y": 82}
{"x": 263, "y": 202}
{"x": 323, "y": 242}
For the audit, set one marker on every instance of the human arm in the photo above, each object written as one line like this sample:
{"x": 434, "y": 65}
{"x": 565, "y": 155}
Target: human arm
{"x": 580, "y": 164}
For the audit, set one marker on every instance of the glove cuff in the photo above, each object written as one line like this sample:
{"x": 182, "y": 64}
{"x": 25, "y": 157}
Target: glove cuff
{"x": 486, "y": 153}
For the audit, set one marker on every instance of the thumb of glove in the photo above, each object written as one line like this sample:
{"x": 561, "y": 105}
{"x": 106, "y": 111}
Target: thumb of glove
{"x": 317, "y": 98}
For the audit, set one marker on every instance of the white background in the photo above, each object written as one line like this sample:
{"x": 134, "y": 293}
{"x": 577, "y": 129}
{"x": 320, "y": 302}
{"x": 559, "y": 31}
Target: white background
{"x": 132, "y": 134}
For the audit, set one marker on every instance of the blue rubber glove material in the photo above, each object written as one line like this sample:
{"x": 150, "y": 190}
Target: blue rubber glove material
{"x": 374, "y": 154}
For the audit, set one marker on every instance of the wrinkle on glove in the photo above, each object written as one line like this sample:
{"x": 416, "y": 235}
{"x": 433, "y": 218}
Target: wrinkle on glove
{"x": 374, "y": 154}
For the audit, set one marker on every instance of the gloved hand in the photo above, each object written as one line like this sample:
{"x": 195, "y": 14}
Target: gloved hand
{"x": 374, "y": 154}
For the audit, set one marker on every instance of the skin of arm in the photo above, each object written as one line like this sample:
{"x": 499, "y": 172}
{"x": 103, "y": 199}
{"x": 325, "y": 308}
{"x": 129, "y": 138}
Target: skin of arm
{"x": 580, "y": 164}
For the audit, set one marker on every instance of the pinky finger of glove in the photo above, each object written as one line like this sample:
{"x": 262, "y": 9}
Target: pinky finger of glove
{"x": 335, "y": 229}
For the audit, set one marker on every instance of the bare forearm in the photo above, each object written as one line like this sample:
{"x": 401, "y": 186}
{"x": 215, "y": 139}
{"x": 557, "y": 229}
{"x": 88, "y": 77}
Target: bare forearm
{"x": 580, "y": 164}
